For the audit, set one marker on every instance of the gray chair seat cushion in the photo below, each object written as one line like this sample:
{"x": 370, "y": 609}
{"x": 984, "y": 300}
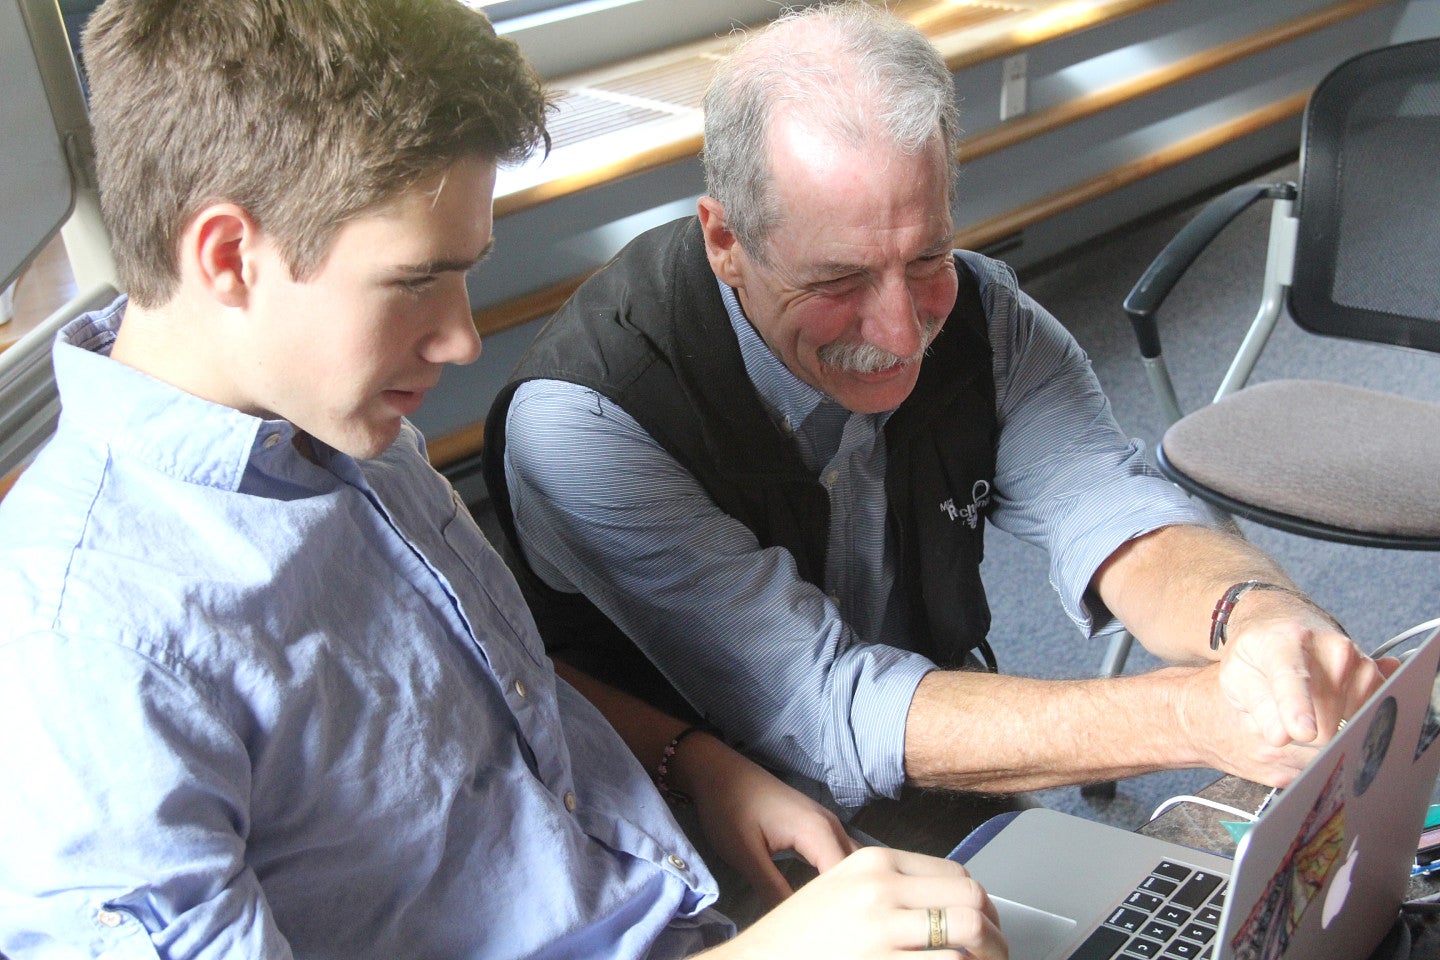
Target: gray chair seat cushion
{"x": 1325, "y": 452}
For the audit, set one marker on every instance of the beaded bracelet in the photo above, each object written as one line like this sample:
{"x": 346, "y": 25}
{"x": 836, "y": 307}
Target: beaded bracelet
{"x": 671, "y": 795}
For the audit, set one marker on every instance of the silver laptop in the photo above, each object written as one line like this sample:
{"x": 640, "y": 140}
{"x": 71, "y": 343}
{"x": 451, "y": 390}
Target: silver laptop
{"x": 1320, "y": 875}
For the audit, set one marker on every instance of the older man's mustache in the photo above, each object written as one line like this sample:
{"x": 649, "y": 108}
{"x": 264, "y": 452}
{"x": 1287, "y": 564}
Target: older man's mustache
{"x": 868, "y": 358}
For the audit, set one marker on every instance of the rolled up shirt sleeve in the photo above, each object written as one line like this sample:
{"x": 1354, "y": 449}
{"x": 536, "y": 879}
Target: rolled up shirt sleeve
{"x": 1067, "y": 478}
{"x": 603, "y": 510}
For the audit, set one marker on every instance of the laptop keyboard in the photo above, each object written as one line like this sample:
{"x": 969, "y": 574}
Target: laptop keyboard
{"x": 1173, "y": 914}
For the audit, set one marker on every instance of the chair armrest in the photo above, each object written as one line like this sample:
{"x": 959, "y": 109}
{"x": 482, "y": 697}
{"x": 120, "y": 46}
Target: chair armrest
{"x": 1150, "y": 291}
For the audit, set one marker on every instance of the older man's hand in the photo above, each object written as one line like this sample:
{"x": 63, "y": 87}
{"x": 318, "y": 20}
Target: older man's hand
{"x": 1285, "y": 679}
{"x": 1294, "y": 675}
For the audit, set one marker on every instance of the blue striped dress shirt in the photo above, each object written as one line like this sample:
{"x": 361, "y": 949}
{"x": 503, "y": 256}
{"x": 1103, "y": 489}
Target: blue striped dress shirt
{"x": 258, "y": 707}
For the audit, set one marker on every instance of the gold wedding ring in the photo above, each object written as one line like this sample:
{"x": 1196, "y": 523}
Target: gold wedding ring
{"x": 936, "y": 918}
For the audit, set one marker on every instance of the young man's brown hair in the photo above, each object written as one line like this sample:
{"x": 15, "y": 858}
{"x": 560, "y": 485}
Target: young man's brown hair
{"x": 303, "y": 112}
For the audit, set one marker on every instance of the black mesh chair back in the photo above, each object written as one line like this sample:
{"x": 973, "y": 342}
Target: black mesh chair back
{"x": 1367, "y": 263}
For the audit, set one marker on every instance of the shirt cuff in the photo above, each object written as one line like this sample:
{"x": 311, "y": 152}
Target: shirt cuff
{"x": 879, "y": 712}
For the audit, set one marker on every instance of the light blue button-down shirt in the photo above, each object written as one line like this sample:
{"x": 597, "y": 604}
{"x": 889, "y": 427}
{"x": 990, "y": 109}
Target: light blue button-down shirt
{"x": 252, "y": 706}
{"x": 819, "y": 683}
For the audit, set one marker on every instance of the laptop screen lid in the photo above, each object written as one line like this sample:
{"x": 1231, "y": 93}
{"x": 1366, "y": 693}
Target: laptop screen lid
{"x": 1324, "y": 871}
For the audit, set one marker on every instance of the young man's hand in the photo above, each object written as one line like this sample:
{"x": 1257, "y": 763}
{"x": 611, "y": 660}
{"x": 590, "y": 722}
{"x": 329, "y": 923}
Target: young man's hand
{"x": 749, "y": 815}
{"x": 877, "y": 903}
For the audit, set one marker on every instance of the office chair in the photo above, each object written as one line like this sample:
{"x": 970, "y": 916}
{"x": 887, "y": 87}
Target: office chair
{"x": 1354, "y": 250}
{"x": 1355, "y": 253}
{"x": 47, "y": 184}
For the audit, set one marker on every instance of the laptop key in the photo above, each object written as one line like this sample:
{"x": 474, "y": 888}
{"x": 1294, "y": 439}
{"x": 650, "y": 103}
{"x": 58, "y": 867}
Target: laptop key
{"x": 1144, "y": 948}
{"x": 1174, "y": 871}
{"x": 1197, "y": 889}
{"x": 1128, "y": 920}
{"x": 1183, "y": 950}
{"x": 1173, "y": 915}
{"x": 1159, "y": 886}
{"x": 1144, "y": 901}
{"x": 1159, "y": 931}
{"x": 1101, "y": 944}
{"x": 1199, "y": 932}
{"x": 1210, "y": 916}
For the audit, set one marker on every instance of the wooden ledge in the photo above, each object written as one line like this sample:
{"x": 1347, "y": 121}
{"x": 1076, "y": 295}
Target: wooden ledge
{"x": 43, "y": 287}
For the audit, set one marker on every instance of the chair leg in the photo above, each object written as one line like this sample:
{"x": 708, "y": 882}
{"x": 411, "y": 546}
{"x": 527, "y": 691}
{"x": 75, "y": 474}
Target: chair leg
{"x": 1119, "y": 651}
{"x": 1104, "y": 790}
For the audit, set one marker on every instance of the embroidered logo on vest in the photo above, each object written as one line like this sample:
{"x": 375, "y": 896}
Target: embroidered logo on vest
{"x": 979, "y": 500}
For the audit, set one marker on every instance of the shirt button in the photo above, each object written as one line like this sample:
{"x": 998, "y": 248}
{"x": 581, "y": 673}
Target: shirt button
{"x": 677, "y": 862}
{"x": 109, "y": 918}
{"x": 570, "y": 802}
{"x": 271, "y": 440}
{"x": 831, "y": 477}
{"x": 521, "y": 690}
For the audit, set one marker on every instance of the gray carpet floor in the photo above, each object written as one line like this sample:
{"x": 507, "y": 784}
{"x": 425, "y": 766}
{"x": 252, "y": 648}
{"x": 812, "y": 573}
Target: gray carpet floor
{"x": 1375, "y": 593}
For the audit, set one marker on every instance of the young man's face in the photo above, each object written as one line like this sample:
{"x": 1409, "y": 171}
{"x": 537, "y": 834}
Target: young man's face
{"x": 348, "y": 352}
{"x": 859, "y": 276}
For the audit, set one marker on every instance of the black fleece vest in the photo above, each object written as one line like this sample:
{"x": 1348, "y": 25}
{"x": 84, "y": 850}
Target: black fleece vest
{"x": 651, "y": 333}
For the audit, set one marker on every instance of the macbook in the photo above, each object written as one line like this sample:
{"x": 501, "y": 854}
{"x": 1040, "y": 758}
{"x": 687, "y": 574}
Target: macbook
{"x": 1322, "y": 872}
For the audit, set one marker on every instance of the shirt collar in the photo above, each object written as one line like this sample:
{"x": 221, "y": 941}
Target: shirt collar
{"x": 152, "y": 422}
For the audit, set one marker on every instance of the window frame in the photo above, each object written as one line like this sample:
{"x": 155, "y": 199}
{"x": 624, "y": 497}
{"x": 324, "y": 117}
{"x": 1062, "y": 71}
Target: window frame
{"x": 562, "y": 37}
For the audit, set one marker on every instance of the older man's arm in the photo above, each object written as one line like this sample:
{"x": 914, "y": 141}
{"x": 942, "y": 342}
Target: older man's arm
{"x": 1258, "y": 707}
{"x": 603, "y": 510}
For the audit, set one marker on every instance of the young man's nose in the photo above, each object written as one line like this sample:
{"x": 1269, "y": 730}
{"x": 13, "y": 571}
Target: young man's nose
{"x": 455, "y": 340}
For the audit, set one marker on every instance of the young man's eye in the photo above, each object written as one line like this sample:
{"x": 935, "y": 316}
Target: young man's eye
{"x": 417, "y": 285}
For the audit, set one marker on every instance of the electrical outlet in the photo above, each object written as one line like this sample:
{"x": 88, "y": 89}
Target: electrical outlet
{"x": 1012, "y": 86}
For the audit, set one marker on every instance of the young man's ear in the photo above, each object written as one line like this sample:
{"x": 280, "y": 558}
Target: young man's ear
{"x": 217, "y": 250}
{"x": 721, "y": 246}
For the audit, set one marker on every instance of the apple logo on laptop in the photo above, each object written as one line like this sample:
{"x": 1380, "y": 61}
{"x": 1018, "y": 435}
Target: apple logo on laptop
{"x": 1339, "y": 887}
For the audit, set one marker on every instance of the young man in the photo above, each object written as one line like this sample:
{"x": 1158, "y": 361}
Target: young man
{"x": 759, "y": 450}
{"x": 265, "y": 689}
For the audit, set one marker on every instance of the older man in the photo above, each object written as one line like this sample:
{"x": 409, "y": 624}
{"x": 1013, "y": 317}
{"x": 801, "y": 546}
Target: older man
{"x": 759, "y": 448}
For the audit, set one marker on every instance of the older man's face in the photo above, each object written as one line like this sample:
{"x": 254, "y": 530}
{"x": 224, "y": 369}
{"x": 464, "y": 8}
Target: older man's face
{"x": 859, "y": 276}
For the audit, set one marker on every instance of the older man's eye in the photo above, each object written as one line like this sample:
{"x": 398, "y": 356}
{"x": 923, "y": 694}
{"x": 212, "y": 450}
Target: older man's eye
{"x": 837, "y": 284}
{"x": 929, "y": 264}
